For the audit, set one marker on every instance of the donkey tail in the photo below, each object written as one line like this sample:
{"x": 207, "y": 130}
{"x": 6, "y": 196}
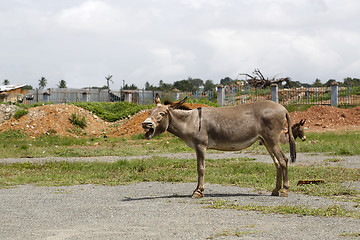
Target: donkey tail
{"x": 291, "y": 139}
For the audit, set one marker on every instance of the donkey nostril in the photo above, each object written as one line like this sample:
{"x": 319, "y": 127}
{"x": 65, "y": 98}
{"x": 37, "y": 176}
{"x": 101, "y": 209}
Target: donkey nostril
{"x": 147, "y": 125}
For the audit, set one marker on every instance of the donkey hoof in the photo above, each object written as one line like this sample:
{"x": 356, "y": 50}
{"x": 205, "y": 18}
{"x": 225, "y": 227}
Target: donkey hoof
{"x": 197, "y": 194}
{"x": 275, "y": 193}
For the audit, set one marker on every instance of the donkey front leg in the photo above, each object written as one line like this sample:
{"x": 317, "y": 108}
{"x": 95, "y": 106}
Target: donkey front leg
{"x": 200, "y": 154}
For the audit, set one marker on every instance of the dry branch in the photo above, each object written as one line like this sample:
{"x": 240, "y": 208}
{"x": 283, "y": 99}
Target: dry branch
{"x": 258, "y": 80}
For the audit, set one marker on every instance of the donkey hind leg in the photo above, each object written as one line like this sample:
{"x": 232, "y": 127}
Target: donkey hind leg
{"x": 280, "y": 162}
{"x": 200, "y": 154}
{"x": 284, "y": 169}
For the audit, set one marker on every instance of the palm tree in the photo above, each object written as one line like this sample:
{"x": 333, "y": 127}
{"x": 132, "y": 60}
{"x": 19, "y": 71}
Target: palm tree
{"x": 42, "y": 83}
{"x": 6, "y": 82}
{"x": 108, "y": 79}
{"x": 62, "y": 84}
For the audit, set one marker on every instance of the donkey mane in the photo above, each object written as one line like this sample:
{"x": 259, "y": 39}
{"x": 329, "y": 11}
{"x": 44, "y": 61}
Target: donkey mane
{"x": 182, "y": 106}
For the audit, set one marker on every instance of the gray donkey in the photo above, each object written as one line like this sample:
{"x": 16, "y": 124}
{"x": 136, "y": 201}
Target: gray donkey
{"x": 227, "y": 129}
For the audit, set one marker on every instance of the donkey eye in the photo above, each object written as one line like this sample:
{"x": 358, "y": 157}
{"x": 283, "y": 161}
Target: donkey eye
{"x": 161, "y": 113}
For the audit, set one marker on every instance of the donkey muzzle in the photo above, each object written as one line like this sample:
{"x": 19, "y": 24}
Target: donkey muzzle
{"x": 149, "y": 127}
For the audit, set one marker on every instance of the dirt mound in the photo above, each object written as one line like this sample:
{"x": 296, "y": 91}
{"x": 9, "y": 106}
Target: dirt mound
{"x": 324, "y": 118}
{"x": 55, "y": 119}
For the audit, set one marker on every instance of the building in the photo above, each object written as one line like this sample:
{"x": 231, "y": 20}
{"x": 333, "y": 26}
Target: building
{"x": 13, "y": 94}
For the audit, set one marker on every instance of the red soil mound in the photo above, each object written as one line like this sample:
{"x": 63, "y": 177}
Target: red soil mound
{"x": 55, "y": 119}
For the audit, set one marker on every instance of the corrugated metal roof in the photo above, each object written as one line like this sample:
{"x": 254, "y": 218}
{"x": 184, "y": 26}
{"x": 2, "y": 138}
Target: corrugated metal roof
{"x": 5, "y": 88}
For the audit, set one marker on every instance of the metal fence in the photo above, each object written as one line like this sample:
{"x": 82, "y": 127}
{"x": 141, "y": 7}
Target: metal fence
{"x": 293, "y": 96}
{"x": 227, "y": 96}
{"x": 66, "y": 95}
{"x": 144, "y": 97}
{"x": 245, "y": 94}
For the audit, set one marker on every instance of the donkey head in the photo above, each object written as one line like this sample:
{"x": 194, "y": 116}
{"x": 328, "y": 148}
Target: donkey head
{"x": 158, "y": 120}
{"x": 298, "y": 130}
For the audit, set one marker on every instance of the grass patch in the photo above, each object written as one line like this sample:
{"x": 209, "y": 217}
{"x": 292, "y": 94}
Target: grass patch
{"x": 78, "y": 121}
{"x": 351, "y": 235}
{"x": 12, "y": 134}
{"x": 302, "y": 107}
{"x": 346, "y": 143}
{"x": 19, "y": 113}
{"x": 58, "y": 146}
{"x": 232, "y": 233}
{"x": 112, "y": 112}
{"x": 27, "y": 106}
{"x": 239, "y": 172}
{"x": 330, "y": 211}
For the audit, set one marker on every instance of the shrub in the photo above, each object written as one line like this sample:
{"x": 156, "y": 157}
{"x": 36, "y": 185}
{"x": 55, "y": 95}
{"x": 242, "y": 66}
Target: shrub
{"x": 19, "y": 113}
{"x": 12, "y": 134}
{"x": 112, "y": 112}
{"x": 77, "y": 121}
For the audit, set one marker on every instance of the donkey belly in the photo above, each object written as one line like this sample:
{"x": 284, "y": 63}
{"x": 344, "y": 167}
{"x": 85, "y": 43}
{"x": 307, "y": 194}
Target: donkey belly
{"x": 233, "y": 145}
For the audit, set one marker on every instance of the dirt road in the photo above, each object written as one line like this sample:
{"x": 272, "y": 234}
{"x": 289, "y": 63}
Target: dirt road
{"x": 156, "y": 210}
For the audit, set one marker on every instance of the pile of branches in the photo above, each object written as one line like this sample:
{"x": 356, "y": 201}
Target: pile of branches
{"x": 257, "y": 80}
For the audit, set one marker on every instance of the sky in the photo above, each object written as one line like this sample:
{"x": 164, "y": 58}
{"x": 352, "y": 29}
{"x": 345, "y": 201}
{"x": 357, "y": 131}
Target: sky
{"x": 138, "y": 41}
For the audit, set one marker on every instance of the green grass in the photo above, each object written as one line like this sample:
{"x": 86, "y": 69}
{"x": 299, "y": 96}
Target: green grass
{"x": 13, "y": 142}
{"x": 27, "y": 106}
{"x": 294, "y": 107}
{"x": 328, "y": 211}
{"x": 19, "y": 113}
{"x": 345, "y": 143}
{"x": 112, "y": 112}
{"x": 240, "y": 172}
{"x": 78, "y": 121}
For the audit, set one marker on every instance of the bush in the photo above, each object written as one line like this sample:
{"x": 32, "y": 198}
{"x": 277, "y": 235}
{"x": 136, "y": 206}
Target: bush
{"x": 75, "y": 120}
{"x": 12, "y": 134}
{"x": 19, "y": 113}
{"x": 112, "y": 112}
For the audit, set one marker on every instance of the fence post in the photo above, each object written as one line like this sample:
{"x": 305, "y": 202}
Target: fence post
{"x": 334, "y": 94}
{"x": 275, "y": 93}
{"x": 221, "y": 95}
{"x": 128, "y": 96}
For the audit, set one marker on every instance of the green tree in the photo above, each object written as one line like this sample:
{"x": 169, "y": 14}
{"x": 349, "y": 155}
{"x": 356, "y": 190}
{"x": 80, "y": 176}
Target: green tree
{"x": 165, "y": 86}
{"x": 131, "y": 87}
{"x": 150, "y": 87}
{"x": 209, "y": 85}
{"x": 62, "y": 84}
{"x": 27, "y": 87}
{"x": 317, "y": 83}
{"x": 226, "y": 81}
{"x": 329, "y": 82}
{"x": 350, "y": 82}
{"x": 185, "y": 86}
{"x": 293, "y": 84}
{"x": 197, "y": 82}
{"x": 42, "y": 83}
{"x": 6, "y": 82}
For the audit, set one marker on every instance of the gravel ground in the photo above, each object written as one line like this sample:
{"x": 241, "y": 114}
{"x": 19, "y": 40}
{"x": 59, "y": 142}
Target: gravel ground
{"x": 164, "y": 210}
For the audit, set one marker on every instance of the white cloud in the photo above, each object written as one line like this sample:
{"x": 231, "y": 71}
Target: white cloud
{"x": 94, "y": 16}
{"x": 149, "y": 40}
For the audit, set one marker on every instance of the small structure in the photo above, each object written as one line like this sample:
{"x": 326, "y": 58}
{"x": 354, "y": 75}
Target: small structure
{"x": 13, "y": 93}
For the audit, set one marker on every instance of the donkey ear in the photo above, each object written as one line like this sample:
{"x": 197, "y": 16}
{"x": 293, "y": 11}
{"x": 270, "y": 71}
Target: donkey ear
{"x": 157, "y": 99}
{"x": 179, "y": 103}
{"x": 302, "y": 122}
